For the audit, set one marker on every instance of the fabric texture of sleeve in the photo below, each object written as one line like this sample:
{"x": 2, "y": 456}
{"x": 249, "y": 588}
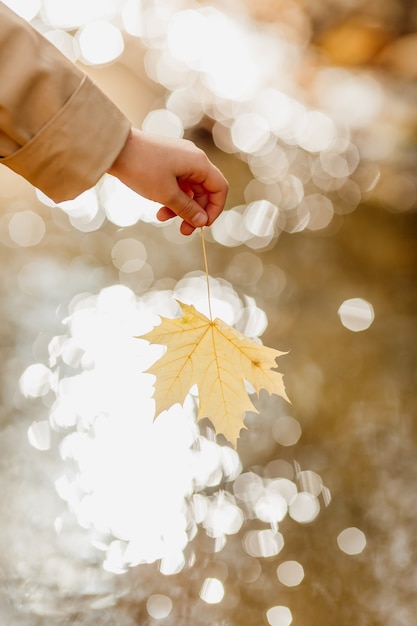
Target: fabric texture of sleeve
{"x": 57, "y": 128}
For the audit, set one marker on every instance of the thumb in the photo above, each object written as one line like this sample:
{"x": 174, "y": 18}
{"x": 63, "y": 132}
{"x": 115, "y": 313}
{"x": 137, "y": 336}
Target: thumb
{"x": 193, "y": 214}
{"x": 189, "y": 210}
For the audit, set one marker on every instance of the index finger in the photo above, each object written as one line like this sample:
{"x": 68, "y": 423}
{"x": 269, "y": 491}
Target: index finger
{"x": 210, "y": 192}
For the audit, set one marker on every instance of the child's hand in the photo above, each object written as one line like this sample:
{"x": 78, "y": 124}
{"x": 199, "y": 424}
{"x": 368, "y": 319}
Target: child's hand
{"x": 175, "y": 173}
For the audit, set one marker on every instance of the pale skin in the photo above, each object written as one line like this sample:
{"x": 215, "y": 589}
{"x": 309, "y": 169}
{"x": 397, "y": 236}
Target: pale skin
{"x": 174, "y": 173}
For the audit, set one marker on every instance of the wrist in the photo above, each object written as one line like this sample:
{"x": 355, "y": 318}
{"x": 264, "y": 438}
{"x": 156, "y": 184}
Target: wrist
{"x": 119, "y": 164}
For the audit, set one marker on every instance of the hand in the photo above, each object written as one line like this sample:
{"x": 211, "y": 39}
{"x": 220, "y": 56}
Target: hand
{"x": 175, "y": 173}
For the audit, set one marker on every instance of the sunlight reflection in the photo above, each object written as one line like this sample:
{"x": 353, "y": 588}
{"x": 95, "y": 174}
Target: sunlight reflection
{"x": 290, "y": 573}
{"x": 310, "y": 482}
{"x": 107, "y": 418}
{"x": 301, "y": 139}
{"x": 261, "y": 218}
{"x": 26, "y": 228}
{"x": 271, "y": 508}
{"x": 167, "y": 71}
{"x": 85, "y": 212}
{"x": 100, "y": 42}
{"x": 249, "y": 132}
{"x": 27, "y": 9}
{"x": 223, "y": 68}
{"x": 348, "y": 197}
{"x": 320, "y": 210}
{"x": 128, "y": 255}
{"x": 243, "y": 79}
{"x": 269, "y": 166}
{"x": 340, "y": 159}
{"x": 280, "y": 110}
{"x": 39, "y": 435}
{"x": 132, "y": 16}
{"x": 280, "y": 468}
{"x": 163, "y": 122}
{"x": 187, "y": 105}
{"x": 229, "y": 228}
{"x": 122, "y": 206}
{"x": 141, "y": 497}
{"x": 352, "y": 541}
{"x": 356, "y": 314}
{"x": 159, "y": 606}
{"x": 315, "y": 131}
{"x": 189, "y": 38}
{"x": 279, "y": 616}
{"x": 287, "y": 430}
{"x": 222, "y": 517}
{"x": 69, "y": 15}
{"x": 343, "y": 90}
{"x": 36, "y": 380}
{"x": 304, "y": 508}
{"x": 230, "y": 65}
{"x": 263, "y": 543}
{"x": 212, "y": 591}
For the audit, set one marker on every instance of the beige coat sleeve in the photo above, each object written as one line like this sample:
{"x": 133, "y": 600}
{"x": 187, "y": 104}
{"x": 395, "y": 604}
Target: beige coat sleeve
{"x": 57, "y": 129}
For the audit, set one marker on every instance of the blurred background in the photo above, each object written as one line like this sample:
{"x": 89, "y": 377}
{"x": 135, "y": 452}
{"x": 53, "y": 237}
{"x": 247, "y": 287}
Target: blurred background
{"x": 107, "y": 518}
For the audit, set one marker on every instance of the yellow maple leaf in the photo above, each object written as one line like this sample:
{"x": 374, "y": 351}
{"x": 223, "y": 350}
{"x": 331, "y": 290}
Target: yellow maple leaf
{"x": 216, "y": 358}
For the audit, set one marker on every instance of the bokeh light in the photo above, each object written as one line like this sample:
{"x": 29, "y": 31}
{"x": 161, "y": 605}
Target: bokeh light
{"x": 315, "y": 132}
{"x": 27, "y": 9}
{"x": 163, "y": 122}
{"x": 36, "y": 380}
{"x": 132, "y": 16}
{"x": 290, "y": 573}
{"x": 212, "y": 591}
{"x": 39, "y": 435}
{"x": 122, "y": 206}
{"x": 249, "y": 132}
{"x": 70, "y": 15}
{"x": 159, "y": 606}
{"x": 310, "y": 113}
{"x": 98, "y": 403}
{"x": 26, "y": 228}
{"x": 129, "y": 255}
{"x": 287, "y": 430}
{"x": 263, "y": 543}
{"x": 100, "y": 42}
{"x": 304, "y": 508}
{"x": 352, "y": 541}
{"x": 279, "y": 616}
{"x": 356, "y": 314}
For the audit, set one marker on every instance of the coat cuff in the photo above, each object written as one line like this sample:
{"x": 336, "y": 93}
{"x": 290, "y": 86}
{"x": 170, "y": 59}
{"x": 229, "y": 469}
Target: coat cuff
{"x": 76, "y": 147}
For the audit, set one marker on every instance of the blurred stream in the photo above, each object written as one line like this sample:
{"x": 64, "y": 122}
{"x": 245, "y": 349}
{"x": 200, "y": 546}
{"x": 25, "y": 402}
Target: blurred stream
{"x": 71, "y": 391}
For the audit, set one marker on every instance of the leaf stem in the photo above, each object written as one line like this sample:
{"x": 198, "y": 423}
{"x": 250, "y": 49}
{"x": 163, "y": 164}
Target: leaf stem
{"x": 203, "y": 243}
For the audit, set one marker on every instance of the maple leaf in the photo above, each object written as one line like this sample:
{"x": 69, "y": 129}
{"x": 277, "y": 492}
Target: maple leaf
{"x": 218, "y": 359}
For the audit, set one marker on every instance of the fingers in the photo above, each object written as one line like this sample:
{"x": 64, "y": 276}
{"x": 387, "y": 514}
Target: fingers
{"x": 212, "y": 193}
{"x": 199, "y": 202}
{"x": 192, "y": 213}
{"x": 214, "y": 206}
{"x": 164, "y": 214}
{"x": 186, "y": 229}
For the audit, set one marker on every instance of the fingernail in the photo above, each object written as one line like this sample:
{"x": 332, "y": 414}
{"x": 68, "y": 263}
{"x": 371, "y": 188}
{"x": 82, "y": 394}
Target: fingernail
{"x": 200, "y": 219}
